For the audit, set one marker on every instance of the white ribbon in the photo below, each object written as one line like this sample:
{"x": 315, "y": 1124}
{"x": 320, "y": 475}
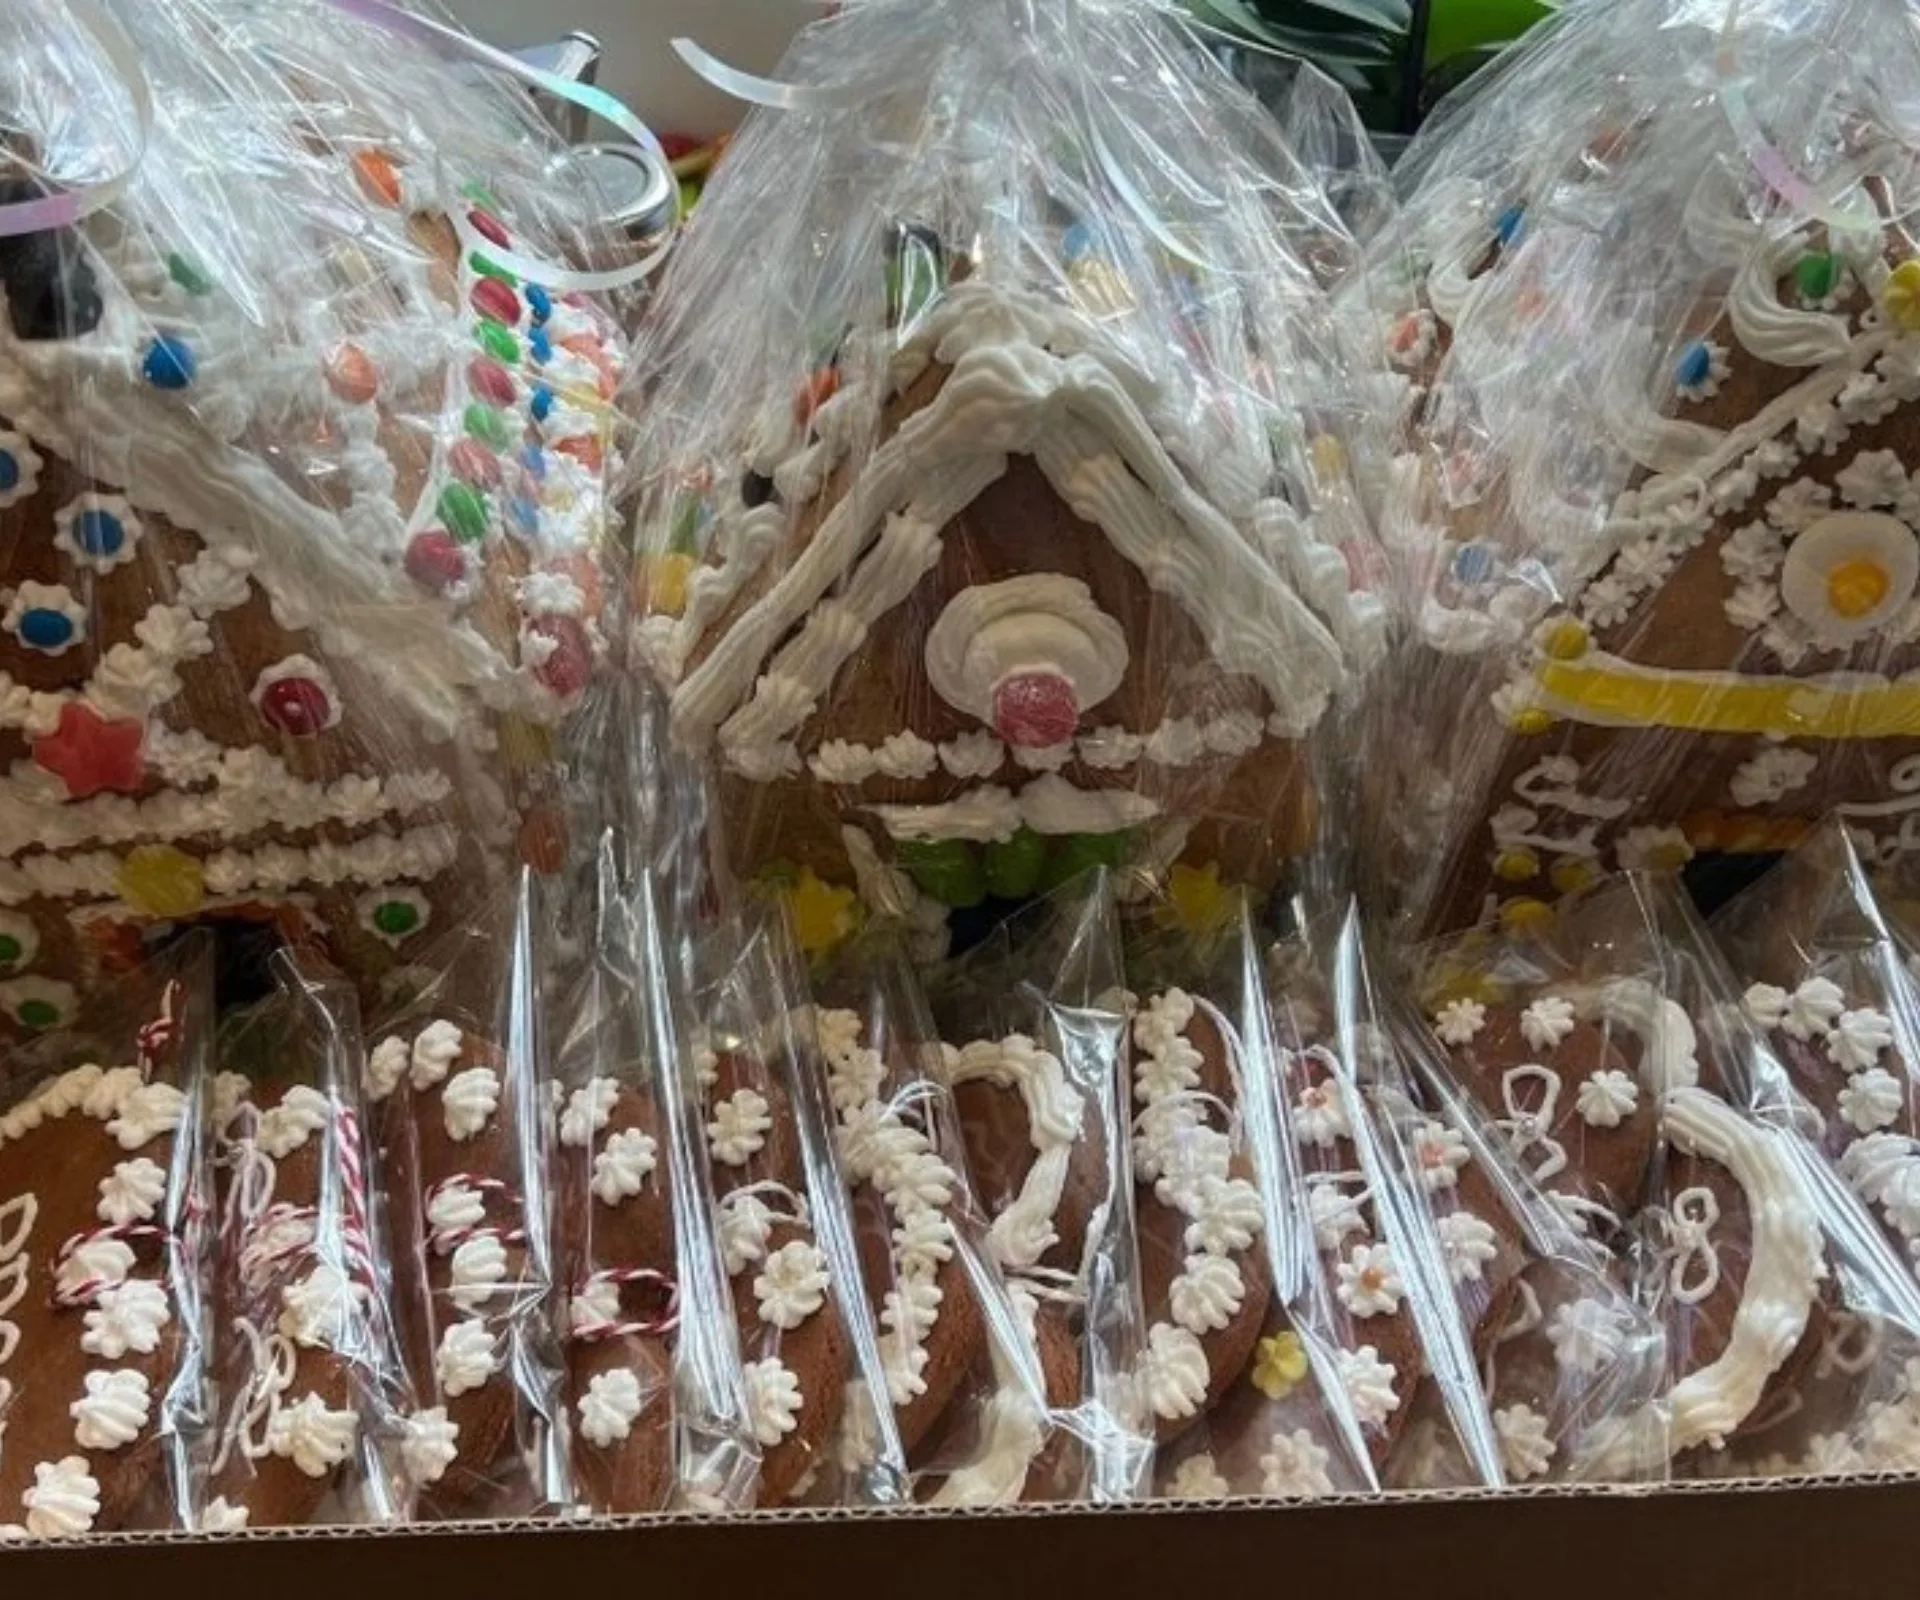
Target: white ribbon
{"x": 1528, "y": 1129}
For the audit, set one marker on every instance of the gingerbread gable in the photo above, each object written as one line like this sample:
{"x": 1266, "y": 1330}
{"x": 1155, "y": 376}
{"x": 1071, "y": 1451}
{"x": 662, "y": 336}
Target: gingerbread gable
{"x": 1023, "y": 376}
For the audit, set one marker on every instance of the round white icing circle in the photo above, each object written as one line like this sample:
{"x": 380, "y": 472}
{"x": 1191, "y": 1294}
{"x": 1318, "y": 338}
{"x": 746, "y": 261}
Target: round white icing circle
{"x": 1867, "y": 539}
{"x": 1038, "y": 622}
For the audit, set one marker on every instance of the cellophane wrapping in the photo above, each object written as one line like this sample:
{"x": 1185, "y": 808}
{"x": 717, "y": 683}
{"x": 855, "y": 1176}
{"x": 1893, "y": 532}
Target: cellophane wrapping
{"x": 816, "y": 1374}
{"x": 995, "y": 519}
{"x": 1617, "y": 1063}
{"x": 459, "y": 1089}
{"x": 659, "y": 1408}
{"x": 301, "y": 487}
{"x": 1032, "y": 1030}
{"x": 1827, "y": 978}
{"x": 311, "y": 1391}
{"x": 1659, "y": 338}
{"x": 105, "y": 1260}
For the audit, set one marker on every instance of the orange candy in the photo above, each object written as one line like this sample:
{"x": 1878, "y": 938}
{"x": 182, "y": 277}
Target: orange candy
{"x": 379, "y": 177}
{"x": 584, "y": 448}
{"x": 352, "y": 376}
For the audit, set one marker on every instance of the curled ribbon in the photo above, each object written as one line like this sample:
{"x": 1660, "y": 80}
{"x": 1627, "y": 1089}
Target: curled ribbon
{"x": 64, "y": 208}
{"x": 1762, "y": 155}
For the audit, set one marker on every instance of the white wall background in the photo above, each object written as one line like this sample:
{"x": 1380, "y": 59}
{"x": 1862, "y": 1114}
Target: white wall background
{"x": 638, "y": 66}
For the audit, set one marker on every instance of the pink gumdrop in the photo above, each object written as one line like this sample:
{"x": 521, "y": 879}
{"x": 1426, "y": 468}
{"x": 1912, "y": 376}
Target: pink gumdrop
{"x": 1035, "y": 710}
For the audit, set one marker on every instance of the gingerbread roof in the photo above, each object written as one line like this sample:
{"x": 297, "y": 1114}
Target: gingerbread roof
{"x": 1024, "y": 375}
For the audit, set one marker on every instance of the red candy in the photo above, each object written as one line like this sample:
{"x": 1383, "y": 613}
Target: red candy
{"x": 434, "y": 560}
{"x": 472, "y": 462}
{"x": 570, "y": 664}
{"x": 491, "y": 381}
{"x": 492, "y": 298}
{"x": 490, "y": 228}
{"x": 296, "y": 706}
{"x": 1035, "y": 710}
{"x": 91, "y": 755}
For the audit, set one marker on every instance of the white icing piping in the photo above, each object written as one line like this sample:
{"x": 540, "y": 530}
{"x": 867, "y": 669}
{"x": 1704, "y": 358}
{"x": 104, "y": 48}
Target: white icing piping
{"x": 416, "y": 855}
{"x": 1005, "y": 397}
{"x": 1049, "y": 805}
{"x": 1783, "y": 1270}
{"x": 1025, "y": 1231}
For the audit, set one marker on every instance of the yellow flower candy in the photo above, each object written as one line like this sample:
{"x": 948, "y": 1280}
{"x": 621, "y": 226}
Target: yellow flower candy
{"x": 160, "y": 881}
{"x": 1902, "y": 298}
{"x": 1279, "y": 1363}
{"x": 1566, "y": 640}
{"x": 1198, "y": 901}
{"x": 1573, "y": 875}
{"x": 1526, "y": 916}
{"x": 667, "y": 583}
{"x": 823, "y": 915}
{"x": 1516, "y": 865}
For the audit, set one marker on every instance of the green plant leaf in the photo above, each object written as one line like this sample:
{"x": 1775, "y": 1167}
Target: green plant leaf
{"x": 1460, "y": 27}
{"x": 1315, "y": 36}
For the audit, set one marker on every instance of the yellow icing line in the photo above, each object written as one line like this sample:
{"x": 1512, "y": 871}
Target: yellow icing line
{"x": 1612, "y": 693}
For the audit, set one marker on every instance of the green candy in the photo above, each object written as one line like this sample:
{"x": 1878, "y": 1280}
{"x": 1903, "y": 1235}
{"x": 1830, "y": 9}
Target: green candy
{"x": 1014, "y": 865}
{"x": 1082, "y": 852}
{"x": 10, "y": 950}
{"x": 396, "y": 918}
{"x": 463, "y": 509}
{"x": 913, "y": 286}
{"x": 947, "y": 869}
{"x": 481, "y": 195}
{"x": 488, "y": 426}
{"x": 38, "y": 1014}
{"x": 498, "y": 340}
{"x": 187, "y": 275}
{"x": 689, "y": 517}
{"x": 488, "y": 268}
{"x": 1817, "y": 275}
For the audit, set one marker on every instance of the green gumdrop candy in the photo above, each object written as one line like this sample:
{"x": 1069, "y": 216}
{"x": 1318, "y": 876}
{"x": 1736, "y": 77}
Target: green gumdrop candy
{"x": 946, "y": 869}
{"x": 1816, "y": 275}
{"x": 1014, "y": 865}
{"x": 1082, "y": 852}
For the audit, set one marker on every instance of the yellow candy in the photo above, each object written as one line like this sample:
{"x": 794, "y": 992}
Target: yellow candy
{"x": 1566, "y": 640}
{"x": 1329, "y": 457}
{"x": 526, "y": 744}
{"x": 1526, "y": 916}
{"x": 667, "y": 583}
{"x": 1279, "y": 1363}
{"x": 823, "y": 915}
{"x": 1902, "y": 298}
{"x": 1573, "y": 875}
{"x": 1198, "y": 901}
{"x": 160, "y": 881}
{"x": 1531, "y": 720}
{"x": 1516, "y": 865}
{"x": 1856, "y": 588}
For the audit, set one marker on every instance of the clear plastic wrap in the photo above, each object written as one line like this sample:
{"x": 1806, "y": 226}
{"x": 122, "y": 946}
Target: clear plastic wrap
{"x": 994, "y": 519}
{"x": 1829, "y": 986}
{"x": 1033, "y": 1034}
{"x": 312, "y": 1392}
{"x": 1662, "y": 342}
{"x": 103, "y": 1260}
{"x": 1618, "y": 1066}
{"x": 963, "y": 1380}
{"x": 815, "y": 1372}
{"x": 659, "y": 1407}
{"x": 458, "y": 1090}
{"x": 300, "y": 488}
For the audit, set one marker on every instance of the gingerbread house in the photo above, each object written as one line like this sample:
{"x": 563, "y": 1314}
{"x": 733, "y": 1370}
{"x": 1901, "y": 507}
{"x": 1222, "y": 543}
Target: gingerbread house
{"x": 298, "y": 486}
{"x": 987, "y": 609}
{"x": 1660, "y": 494}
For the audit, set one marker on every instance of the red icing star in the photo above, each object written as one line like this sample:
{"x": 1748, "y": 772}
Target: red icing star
{"x": 90, "y": 754}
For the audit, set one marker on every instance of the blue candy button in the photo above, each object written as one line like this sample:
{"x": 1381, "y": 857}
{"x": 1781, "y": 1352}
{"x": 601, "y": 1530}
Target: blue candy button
{"x": 46, "y": 630}
{"x": 542, "y": 402}
{"x": 541, "y": 343}
{"x": 98, "y": 533}
{"x": 539, "y": 302}
{"x": 9, "y": 472}
{"x": 169, "y": 364}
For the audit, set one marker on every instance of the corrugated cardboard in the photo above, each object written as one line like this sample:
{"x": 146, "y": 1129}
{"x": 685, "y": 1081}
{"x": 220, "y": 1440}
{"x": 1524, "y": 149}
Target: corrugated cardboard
{"x": 1782, "y": 1538}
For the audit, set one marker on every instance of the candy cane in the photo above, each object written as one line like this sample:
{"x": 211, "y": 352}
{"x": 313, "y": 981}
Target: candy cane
{"x": 592, "y": 1330}
{"x": 354, "y": 1224}
{"x": 88, "y": 1289}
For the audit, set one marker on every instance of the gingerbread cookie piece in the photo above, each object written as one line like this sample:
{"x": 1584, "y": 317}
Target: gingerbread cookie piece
{"x": 618, "y": 1253}
{"x": 793, "y": 1337}
{"x": 294, "y": 1355}
{"x": 94, "y": 1185}
{"x": 1562, "y": 1079}
{"x": 453, "y": 1155}
{"x": 1203, "y": 1262}
{"x": 1845, "y": 1053}
{"x": 906, "y": 1194}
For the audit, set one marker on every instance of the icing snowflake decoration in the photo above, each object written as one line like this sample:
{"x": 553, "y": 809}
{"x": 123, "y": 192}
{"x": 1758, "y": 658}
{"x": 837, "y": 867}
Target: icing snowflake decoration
{"x": 1369, "y": 1385}
{"x": 1547, "y": 1022}
{"x": 1458, "y": 1021}
{"x": 1526, "y": 1447}
{"x": 1368, "y": 1284}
